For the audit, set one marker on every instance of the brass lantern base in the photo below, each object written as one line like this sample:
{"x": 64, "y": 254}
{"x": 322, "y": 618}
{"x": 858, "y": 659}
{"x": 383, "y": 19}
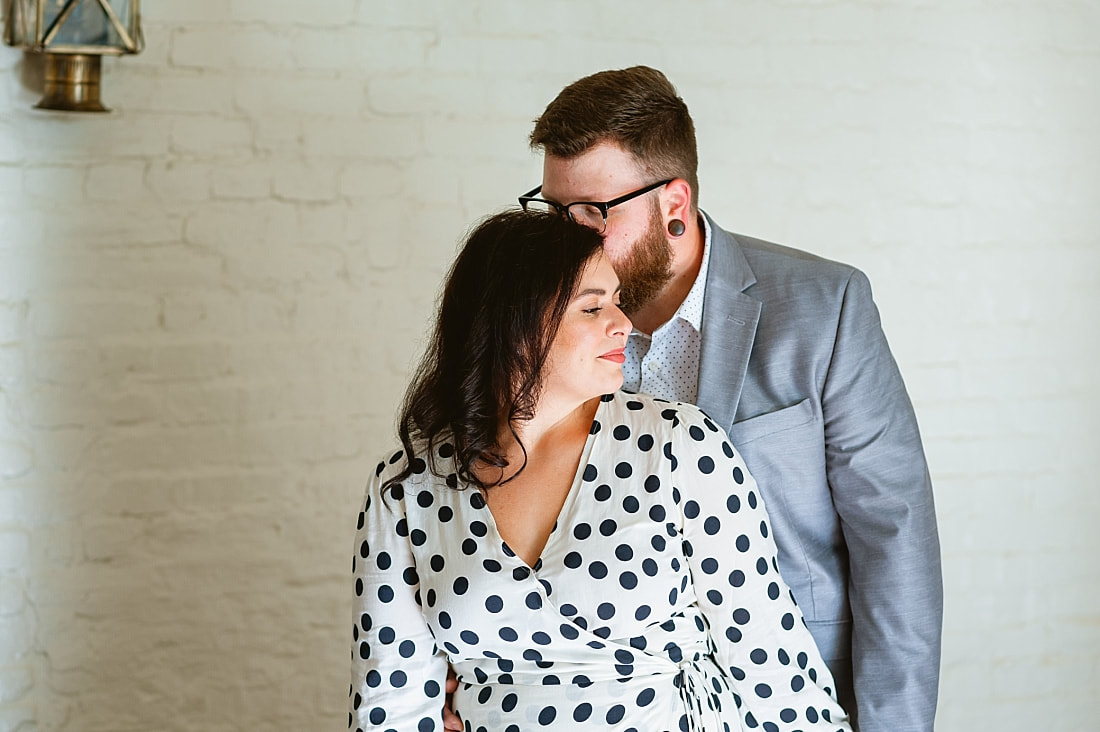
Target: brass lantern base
{"x": 72, "y": 83}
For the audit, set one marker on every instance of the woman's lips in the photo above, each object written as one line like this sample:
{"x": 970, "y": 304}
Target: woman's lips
{"x": 616, "y": 356}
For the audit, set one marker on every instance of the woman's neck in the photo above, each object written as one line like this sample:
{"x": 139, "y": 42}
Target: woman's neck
{"x": 555, "y": 424}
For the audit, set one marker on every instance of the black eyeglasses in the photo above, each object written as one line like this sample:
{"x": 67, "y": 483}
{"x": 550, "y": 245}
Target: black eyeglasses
{"x": 589, "y": 213}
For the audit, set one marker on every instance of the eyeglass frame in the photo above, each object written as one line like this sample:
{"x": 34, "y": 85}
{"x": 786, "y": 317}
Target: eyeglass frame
{"x": 602, "y": 206}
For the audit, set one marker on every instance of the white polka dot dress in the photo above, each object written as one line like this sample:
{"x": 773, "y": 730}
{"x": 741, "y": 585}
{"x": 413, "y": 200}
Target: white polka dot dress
{"x": 656, "y": 604}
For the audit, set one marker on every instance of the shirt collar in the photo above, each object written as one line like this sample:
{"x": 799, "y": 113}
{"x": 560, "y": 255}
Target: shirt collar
{"x": 691, "y": 309}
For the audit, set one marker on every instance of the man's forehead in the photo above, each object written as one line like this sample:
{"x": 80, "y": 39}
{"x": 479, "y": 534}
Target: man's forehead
{"x": 599, "y": 173}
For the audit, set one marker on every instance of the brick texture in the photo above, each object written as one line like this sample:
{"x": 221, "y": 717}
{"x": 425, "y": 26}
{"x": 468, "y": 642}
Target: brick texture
{"x": 211, "y": 297}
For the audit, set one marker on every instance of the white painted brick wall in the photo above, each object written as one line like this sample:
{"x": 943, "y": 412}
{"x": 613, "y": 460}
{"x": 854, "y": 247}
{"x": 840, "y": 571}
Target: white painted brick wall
{"x": 210, "y": 299}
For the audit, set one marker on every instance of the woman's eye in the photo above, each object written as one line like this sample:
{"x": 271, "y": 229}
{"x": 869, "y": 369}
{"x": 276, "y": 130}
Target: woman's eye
{"x": 591, "y": 311}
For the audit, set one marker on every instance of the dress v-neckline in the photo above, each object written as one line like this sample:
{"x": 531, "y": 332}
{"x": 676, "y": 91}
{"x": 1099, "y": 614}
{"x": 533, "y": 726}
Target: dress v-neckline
{"x": 570, "y": 497}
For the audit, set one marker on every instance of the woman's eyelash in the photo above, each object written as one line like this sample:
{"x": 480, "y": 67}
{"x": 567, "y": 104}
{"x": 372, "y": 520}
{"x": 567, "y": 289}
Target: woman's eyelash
{"x": 592, "y": 311}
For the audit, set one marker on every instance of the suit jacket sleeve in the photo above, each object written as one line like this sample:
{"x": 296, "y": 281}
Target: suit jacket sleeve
{"x": 883, "y": 495}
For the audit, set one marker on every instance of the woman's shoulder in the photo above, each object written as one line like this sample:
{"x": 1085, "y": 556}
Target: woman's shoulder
{"x": 628, "y": 407}
{"x": 426, "y": 467}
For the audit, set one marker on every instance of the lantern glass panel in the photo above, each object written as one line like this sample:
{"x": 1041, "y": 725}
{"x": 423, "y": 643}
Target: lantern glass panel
{"x": 87, "y": 23}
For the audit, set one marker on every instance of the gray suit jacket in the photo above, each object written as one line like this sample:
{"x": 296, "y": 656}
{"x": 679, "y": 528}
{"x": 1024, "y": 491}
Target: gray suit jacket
{"x": 795, "y": 366}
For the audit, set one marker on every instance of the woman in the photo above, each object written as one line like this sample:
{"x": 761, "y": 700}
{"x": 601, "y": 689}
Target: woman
{"x": 578, "y": 555}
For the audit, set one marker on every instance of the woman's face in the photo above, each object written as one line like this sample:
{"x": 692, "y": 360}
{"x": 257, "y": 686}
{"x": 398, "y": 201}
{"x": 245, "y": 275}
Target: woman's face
{"x": 586, "y": 357}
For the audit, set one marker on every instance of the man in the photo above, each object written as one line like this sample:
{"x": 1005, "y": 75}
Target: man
{"x": 785, "y": 351}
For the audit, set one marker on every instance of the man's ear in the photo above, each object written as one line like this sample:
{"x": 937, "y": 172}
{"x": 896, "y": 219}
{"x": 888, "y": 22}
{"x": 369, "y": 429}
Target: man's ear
{"x": 676, "y": 201}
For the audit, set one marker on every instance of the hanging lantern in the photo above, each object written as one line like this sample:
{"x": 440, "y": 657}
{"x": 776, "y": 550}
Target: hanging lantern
{"x": 74, "y": 35}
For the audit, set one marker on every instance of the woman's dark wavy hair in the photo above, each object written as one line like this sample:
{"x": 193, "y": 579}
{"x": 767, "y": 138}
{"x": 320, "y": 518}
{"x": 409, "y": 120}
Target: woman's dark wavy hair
{"x": 501, "y": 306}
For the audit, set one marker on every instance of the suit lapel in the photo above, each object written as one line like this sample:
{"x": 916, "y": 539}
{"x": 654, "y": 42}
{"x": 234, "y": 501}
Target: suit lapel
{"x": 729, "y": 326}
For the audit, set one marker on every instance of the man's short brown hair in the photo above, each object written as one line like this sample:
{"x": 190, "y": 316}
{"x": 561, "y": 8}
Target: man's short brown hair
{"x": 636, "y": 108}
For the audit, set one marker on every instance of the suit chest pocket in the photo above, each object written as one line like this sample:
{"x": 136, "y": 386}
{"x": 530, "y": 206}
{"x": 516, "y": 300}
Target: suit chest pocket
{"x": 770, "y": 423}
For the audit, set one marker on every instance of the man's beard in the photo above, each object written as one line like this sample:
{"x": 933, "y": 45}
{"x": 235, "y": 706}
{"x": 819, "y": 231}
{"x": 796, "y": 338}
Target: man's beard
{"x": 647, "y": 268}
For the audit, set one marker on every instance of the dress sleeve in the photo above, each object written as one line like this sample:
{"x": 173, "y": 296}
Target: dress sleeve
{"x": 757, "y": 630}
{"x": 397, "y": 672}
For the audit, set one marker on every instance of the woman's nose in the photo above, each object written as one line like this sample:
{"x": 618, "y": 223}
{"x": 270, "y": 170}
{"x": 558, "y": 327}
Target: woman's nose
{"x": 621, "y": 324}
